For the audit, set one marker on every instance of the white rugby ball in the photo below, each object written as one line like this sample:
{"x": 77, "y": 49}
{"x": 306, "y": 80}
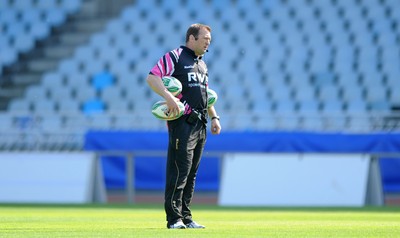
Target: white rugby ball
{"x": 172, "y": 84}
{"x": 160, "y": 111}
{"x": 212, "y": 97}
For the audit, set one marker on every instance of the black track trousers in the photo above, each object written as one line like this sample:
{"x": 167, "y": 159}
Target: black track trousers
{"x": 185, "y": 148}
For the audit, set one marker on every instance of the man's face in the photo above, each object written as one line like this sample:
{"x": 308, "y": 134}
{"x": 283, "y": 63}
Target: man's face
{"x": 202, "y": 42}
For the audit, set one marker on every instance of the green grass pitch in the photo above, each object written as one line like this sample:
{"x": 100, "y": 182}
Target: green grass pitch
{"x": 148, "y": 221}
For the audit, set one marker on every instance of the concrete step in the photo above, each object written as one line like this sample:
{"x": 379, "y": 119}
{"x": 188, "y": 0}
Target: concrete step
{"x": 59, "y": 52}
{"x": 90, "y": 19}
{"x": 7, "y": 93}
{"x": 91, "y": 25}
{"x": 88, "y": 9}
{"x": 40, "y": 66}
{"x": 22, "y": 80}
{"x": 74, "y": 39}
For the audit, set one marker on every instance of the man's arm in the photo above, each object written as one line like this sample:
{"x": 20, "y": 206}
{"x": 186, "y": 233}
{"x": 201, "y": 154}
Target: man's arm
{"x": 215, "y": 124}
{"x": 158, "y": 87}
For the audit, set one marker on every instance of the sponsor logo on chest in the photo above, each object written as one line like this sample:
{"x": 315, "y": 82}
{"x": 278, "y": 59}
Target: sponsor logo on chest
{"x": 197, "y": 77}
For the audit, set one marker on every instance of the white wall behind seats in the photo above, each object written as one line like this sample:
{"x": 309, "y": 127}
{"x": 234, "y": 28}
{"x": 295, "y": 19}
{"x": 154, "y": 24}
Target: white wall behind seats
{"x": 294, "y": 180}
{"x": 37, "y": 177}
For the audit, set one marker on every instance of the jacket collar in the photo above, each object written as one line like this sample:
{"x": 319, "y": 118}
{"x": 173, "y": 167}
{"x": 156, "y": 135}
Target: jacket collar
{"x": 191, "y": 53}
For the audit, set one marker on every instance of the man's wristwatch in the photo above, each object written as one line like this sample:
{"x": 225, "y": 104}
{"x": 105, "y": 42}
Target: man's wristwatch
{"x": 215, "y": 117}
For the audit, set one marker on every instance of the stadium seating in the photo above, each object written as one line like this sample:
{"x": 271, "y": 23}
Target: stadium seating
{"x": 24, "y": 23}
{"x": 307, "y": 65}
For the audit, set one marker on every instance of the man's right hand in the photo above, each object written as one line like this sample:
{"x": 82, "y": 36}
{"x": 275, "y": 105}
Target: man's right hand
{"x": 157, "y": 86}
{"x": 172, "y": 103}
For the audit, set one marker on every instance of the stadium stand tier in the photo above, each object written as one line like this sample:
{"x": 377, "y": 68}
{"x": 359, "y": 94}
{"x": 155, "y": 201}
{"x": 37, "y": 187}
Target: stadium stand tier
{"x": 314, "y": 65}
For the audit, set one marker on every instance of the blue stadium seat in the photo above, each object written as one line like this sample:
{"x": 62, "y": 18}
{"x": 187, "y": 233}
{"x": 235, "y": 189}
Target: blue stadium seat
{"x": 84, "y": 93}
{"x": 8, "y": 56}
{"x": 32, "y": 16}
{"x": 118, "y": 106}
{"x": 100, "y": 122}
{"x": 70, "y": 6}
{"x": 376, "y": 93}
{"x": 394, "y": 98}
{"x": 328, "y": 92}
{"x": 381, "y": 106}
{"x": 18, "y": 28}
{"x": 6, "y": 122}
{"x": 69, "y": 107}
{"x": 284, "y": 107}
{"x": 281, "y": 94}
{"x": 391, "y": 73}
{"x": 44, "y": 106}
{"x": 69, "y": 66}
{"x": 77, "y": 80}
{"x": 52, "y": 123}
{"x": 20, "y": 106}
{"x": 22, "y": 4}
{"x": 54, "y": 17}
{"x": 84, "y": 53}
{"x": 93, "y": 67}
{"x": 24, "y": 43}
{"x": 349, "y": 80}
{"x": 265, "y": 123}
{"x": 332, "y": 106}
{"x": 344, "y": 58}
{"x": 113, "y": 93}
{"x": 36, "y": 92}
{"x": 124, "y": 121}
{"x": 116, "y": 27}
{"x": 39, "y": 30}
{"x": 76, "y": 123}
{"x": 101, "y": 40}
{"x": 93, "y": 106}
{"x": 323, "y": 78}
{"x": 261, "y": 107}
{"x": 243, "y": 123}
{"x": 308, "y": 106}
{"x": 386, "y": 39}
{"x": 52, "y": 80}
{"x": 320, "y": 60}
{"x": 306, "y": 92}
{"x": 60, "y": 93}
{"x": 102, "y": 80}
{"x": 356, "y": 106}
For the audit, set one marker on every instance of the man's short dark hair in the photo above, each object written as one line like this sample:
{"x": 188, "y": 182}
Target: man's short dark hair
{"x": 194, "y": 30}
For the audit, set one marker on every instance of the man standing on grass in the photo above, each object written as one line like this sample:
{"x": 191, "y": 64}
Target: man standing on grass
{"x": 187, "y": 134}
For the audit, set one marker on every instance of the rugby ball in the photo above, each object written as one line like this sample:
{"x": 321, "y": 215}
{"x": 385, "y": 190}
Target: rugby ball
{"x": 212, "y": 97}
{"x": 172, "y": 84}
{"x": 160, "y": 111}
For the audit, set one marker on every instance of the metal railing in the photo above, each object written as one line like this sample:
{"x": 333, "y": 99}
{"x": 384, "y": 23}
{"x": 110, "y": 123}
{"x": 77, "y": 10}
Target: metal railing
{"x": 130, "y": 164}
{"x": 25, "y": 132}
{"x": 374, "y": 193}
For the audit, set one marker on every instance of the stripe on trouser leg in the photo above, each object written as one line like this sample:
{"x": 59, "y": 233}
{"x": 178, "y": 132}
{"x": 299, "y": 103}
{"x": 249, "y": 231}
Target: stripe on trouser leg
{"x": 173, "y": 193}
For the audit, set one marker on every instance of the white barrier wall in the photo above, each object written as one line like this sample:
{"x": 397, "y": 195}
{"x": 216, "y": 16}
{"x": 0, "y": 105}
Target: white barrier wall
{"x": 36, "y": 177}
{"x": 294, "y": 180}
